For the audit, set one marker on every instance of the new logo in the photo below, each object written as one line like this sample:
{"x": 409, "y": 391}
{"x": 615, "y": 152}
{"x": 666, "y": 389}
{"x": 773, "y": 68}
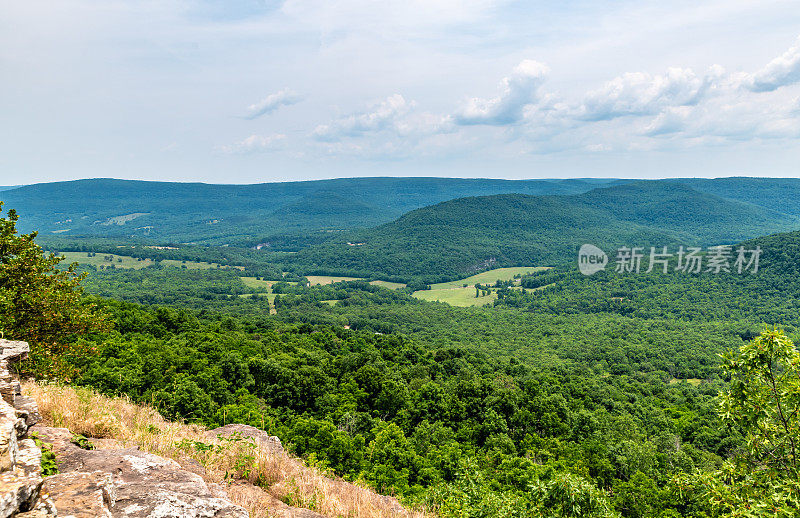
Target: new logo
{"x": 591, "y": 259}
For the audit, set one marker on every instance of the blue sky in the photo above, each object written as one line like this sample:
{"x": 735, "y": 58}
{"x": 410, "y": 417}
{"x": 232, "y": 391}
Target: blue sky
{"x": 246, "y": 91}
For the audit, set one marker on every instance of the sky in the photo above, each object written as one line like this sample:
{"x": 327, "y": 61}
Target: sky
{"x": 246, "y": 91}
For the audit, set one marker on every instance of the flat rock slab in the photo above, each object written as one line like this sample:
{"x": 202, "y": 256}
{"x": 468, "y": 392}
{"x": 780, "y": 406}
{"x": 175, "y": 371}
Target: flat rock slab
{"x": 142, "y": 485}
{"x": 82, "y": 495}
{"x": 13, "y": 351}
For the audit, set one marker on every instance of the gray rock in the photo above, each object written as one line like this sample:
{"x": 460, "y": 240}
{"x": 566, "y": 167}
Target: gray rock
{"x": 82, "y": 495}
{"x": 27, "y": 409}
{"x": 12, "y": 351}
{"x": 145, "y": 485}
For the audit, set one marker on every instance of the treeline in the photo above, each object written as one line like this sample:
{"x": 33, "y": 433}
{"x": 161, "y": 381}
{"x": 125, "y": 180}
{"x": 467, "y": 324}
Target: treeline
{"x": 200, "y": 289}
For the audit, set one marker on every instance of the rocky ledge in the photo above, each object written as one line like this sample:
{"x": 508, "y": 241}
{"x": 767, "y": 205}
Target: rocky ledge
{"x": 91, "y": 483}
{"x": 127, "y": 482}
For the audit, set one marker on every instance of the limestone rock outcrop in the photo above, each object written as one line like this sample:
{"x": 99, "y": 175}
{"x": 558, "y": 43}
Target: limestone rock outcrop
{"x": 113, "y": 483}
{"x": 20, "y": 457}
{"x": 128, "y": 483}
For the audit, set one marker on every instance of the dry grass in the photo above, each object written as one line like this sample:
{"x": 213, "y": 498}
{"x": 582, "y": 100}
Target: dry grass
{"x": 282, "y": 477}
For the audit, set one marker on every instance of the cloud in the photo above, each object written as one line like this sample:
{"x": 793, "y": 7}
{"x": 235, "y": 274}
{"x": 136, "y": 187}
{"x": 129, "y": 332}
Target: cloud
{"x": 519, "y": 90}
{"x": 781, "y": 71}
{"x": 272, "y": 102}
{"x": 740, "y": 117}
{"x": 671, "y": 120}
{"x": 639, "y": 93}
{"x": 393, "y": 128}
{"x": 254, "y": 144}
{"x": 392, "y": 115}
{"x": 378, "y": 117}
{"x": 636, "y": 111}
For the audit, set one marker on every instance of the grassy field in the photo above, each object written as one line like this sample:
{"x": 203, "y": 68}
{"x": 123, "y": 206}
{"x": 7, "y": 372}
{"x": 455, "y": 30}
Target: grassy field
{"x": 125, "y": 261}
{"x": 191, "y": 265}
{"x": 691, "y": 381}
{"x": 99, "y": 260}
{"x": 489, "y": 277}
{"x": 326, "y": 279}
{"x": 252, "y": 282}
{"x": 387, "y": 284}
{"x": 456, "y": 296}
{"x": 456, "y": 293}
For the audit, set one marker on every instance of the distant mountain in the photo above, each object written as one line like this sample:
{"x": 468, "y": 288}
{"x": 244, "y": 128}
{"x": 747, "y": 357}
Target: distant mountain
{"x": 780, "y": 253}
{"x": 242, "y": 214}
{"x": 8, "y": 187}
{"x": 778, "y": 194}
{"x": 290, "y": 215}
{"x": 462, "y": 236}
{"x": 325, "y": 203}
{"x": 680, "y": 208}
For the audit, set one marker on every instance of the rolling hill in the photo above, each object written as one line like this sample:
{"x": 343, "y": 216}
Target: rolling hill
{"x": 680, "y": 208}
{"x": 242, "y": 214}
{"x": 778, "y": 194}
{"x": 780, "y": 253}
{"x": 460, "y": 237}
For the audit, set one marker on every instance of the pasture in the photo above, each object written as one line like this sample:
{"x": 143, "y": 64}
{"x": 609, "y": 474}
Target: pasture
{"x": 327, "y": 279}
{"x": 101, "y": 260}
{"x": 462, "y": 292}
{"x": 490, "y": 277}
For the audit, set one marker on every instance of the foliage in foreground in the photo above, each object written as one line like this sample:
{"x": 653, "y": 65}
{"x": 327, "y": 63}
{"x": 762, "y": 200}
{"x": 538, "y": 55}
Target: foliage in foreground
{"x": 40, "y": 303}
{"x": 763, "y": 480}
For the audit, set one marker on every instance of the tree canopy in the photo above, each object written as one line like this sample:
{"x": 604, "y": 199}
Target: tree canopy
{"x": 40, "y": 303}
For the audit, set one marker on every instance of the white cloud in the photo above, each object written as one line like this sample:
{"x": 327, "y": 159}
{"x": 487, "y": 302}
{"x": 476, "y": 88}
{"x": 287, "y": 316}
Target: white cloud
{"x": 272, "y": 102}
{"x": 519, "y": 90}
{"x": 152, "y": 69}
{"x": 781, "y": 71}
{"x": 637, "y": 111}
{"x": 254, "y": 144}
{"x": 393, "y": 115}
{"x": 639, "y": 93}
{"x": 380, "y": 116}
{"x": 671, "y": 120}
{"x": 734, "y": 116}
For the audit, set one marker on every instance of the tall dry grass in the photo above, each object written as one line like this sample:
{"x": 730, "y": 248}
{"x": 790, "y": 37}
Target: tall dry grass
{"x": 259, "y": 479}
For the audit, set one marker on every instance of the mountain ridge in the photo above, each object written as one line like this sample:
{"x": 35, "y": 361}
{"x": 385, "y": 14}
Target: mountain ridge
{"x": 458, "y": 237}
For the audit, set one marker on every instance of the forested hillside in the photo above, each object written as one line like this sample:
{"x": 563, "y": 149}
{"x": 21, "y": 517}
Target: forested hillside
{"x": 778, "y": 194}
{"x": 274, "y": 212}
{"x": 460, "y": 237}
{"x": 424, "y": 421}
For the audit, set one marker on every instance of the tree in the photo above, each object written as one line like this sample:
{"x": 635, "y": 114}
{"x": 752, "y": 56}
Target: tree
{"x": 764, "y": 401}
{"x": 40, "y": 303}
{"x": 570, "y": 496}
